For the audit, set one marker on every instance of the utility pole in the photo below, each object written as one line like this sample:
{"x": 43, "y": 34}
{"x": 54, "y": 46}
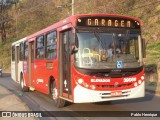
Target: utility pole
{"x": 72, "y": 7}
{"x": 16, "y": 15}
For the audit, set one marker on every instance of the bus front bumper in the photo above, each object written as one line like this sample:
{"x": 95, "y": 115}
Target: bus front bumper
{"x": 84, "y": 95}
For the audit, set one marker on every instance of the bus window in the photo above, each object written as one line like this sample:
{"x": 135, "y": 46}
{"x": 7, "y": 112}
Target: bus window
{"x": 40, "y": 47}
{"x": 21, "y": 52}
{"x": 13, "y": 53}
{"x": 51, "y": 45}
{"x": 25, "y": 50}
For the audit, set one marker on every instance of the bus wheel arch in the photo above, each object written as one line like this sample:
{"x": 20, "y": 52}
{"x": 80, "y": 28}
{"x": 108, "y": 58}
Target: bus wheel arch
{"x": 22, "y": 85}
{"x": 58, "y": 102}
{"x": 51, "y": 80}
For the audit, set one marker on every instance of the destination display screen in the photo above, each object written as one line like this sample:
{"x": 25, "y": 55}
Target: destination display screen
{"x": 108, "y": 22}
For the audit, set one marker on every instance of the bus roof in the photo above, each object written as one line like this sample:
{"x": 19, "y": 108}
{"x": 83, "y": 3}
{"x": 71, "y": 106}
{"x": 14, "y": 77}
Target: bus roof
{"x": 19, "y": 41}
{"x": 72, "y": 19}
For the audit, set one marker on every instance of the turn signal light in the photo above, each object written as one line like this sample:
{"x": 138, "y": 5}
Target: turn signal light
{"x": 93, "y": 87}
{"x": 86, "y": 85}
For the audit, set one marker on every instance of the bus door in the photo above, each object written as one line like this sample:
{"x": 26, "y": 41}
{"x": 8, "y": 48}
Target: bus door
{"x": 31, "y": 63}
{"x": 65, "y": 64}
{"x": 16, "y": 62}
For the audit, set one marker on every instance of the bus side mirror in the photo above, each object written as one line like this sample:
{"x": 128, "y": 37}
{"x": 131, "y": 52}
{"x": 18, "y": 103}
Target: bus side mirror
{"x": 144, "y": 47}
{"x": 75, "y": 43}
{"x": 74, "y": 50}
{"x": 75, "y": 38}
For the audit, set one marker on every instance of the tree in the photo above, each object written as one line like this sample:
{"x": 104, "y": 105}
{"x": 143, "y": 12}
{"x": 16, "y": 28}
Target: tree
{"x": 3, "y": 17}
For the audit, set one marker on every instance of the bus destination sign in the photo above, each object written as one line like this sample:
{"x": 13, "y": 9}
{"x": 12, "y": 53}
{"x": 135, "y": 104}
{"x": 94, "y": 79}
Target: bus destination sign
{"x": 108, "y": 22}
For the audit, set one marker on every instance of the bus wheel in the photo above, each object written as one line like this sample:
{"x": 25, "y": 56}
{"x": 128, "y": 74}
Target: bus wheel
{"x": 23, "y": 87}
{"x": 54, "y": 93}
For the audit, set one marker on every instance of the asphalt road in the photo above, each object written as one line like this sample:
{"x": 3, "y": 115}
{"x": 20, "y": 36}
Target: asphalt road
{"x": 37, "y": 101}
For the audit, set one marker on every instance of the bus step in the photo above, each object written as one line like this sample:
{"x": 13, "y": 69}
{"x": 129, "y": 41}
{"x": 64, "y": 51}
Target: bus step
{"x": 66, "y": 99}
{"x": 31, "y": 88}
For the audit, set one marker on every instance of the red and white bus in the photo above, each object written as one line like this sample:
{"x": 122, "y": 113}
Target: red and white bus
{"x": 83, "y": 58}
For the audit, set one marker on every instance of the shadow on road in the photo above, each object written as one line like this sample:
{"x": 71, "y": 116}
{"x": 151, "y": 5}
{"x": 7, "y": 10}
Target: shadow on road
{"x": 136, "y": 100}
{"x": 5, "y": 75}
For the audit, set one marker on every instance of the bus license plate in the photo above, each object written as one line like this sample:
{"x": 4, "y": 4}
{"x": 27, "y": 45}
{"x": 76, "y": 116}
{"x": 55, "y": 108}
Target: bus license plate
{"x": 116, "y": 93}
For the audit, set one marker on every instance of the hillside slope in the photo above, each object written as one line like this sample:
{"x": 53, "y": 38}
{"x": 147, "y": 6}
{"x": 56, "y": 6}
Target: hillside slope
{"x": 29, "y": 17}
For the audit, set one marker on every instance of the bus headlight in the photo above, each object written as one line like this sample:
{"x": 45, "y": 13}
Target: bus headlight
{"x": 80, "y": 81}
{"x": 135, "y": 84}
{"x": 142, "y": 77}
{"x": 139, "y": 81}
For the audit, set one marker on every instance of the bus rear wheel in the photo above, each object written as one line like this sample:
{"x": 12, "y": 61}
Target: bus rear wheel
{"x": 22, "y": 85}
{"x": 58, "y": 102}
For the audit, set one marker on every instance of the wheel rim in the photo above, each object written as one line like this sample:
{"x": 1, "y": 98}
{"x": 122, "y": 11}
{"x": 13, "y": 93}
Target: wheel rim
{"x": 22, "y": 83}
{"x": 55, "y": 94}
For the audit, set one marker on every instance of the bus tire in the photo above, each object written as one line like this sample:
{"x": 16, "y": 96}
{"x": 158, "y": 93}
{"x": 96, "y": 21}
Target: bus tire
{"x": 23, "y": 87}
{"x": 58, "y": 102}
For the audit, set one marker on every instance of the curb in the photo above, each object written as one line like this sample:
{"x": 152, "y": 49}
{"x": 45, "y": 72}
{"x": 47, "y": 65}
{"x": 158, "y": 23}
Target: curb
{"x": 10, "y": 102}
{"x": 154, "y": 92}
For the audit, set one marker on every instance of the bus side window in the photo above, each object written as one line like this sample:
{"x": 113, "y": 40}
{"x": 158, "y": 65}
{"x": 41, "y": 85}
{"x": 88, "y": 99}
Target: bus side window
{"x": 21, "y": 52}
{"x": 13, "y": 53}
{"x": 40, "y": 47}
{"x": 25, "y": 50}
{"x": 51, "y": 45}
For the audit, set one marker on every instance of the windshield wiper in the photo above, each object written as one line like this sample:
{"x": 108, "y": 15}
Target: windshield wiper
{"x": 100, "y": 40}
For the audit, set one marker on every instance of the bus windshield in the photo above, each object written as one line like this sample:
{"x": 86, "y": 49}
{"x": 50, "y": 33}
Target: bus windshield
{"x": 107, "y": 50}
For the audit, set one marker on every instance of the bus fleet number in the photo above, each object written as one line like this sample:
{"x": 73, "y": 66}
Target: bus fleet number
{"x": 129, "y": 79}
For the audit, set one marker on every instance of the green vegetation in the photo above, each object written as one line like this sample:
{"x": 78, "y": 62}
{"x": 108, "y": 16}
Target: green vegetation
{"x": 153, "y": 84}
{"x": 29, "y": 17}
{"x": 5, "y": 54}
{"x": 153, "y": 53}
